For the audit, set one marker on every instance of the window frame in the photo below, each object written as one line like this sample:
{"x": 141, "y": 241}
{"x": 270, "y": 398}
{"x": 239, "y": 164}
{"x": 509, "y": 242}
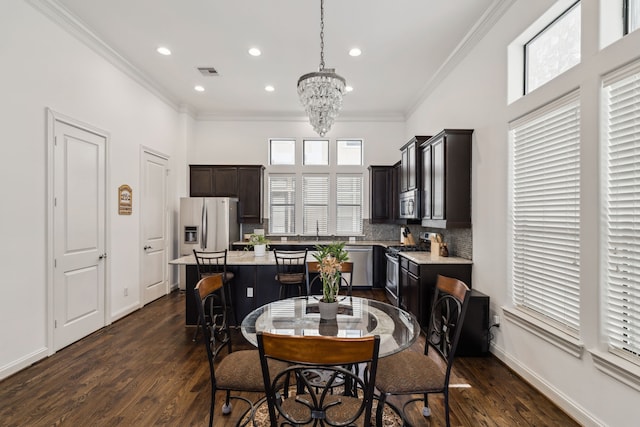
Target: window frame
{"x": 626, "y": 16}
{"x": 525, "y": 54}
{"x": 359, "y": 205}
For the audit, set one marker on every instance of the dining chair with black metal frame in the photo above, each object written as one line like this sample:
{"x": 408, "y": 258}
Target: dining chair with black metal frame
{"x": 314, "y": 282}
{"x": 238, "y": 371}
{"x": 210, "y": 263}
{"x": 309, "y": 403}
{"x": 290, "y": 270}
{"x": 409, "y": 372}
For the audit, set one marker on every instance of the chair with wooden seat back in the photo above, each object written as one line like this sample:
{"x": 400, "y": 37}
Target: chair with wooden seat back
{"x": 210, "y": 263}
{"x": 290, "y": 270}
{"x": 409, "y": 372}
{"x": 238, "y": 371}
{"x": 314, "y": 282}
{"x": 308, "y": 403}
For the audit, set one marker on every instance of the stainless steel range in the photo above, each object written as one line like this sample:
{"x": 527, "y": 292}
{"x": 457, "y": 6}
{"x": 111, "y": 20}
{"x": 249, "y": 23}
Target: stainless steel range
{"x": 392, "y": 287}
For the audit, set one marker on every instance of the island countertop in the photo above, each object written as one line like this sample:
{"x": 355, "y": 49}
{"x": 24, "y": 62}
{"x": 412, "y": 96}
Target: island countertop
{"x": 428, "y": 258}
{"x": 233, "y": 258}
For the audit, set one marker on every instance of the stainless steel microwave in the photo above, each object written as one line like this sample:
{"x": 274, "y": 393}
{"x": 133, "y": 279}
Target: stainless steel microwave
{"x": 409, "y": 205}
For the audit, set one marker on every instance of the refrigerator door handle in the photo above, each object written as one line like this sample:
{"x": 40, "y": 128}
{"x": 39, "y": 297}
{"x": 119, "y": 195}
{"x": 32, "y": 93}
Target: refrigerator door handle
{"x": 204, "y": 224}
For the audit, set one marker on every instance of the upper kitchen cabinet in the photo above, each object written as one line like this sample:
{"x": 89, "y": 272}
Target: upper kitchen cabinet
{"x": 410, "y": 164}
{"x": 383, "y": 194}
{"x": 243, "y": 182}
{"x": 446, "y": 179}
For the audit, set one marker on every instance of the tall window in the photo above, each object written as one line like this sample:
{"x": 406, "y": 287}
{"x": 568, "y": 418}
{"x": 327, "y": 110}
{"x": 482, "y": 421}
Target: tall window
{"x": 546, "y": 213}
{"x": 282, "y": 204}
{"x": 553, "y": 50}
{"x": 349, "y": 204}
{"x": 315, "y": 204}
{"x": 622, "y": 212}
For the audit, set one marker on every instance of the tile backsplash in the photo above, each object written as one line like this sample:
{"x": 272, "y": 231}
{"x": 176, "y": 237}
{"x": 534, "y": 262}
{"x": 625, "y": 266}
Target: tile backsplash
{"x": 458, "y": 240}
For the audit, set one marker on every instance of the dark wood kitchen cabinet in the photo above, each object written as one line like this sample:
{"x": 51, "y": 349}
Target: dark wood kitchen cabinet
{"x": 410, "y": 164}
{"x": 244, "y": 182}
{"x": 382, "y": 195}
{"x": 446, "y": 179}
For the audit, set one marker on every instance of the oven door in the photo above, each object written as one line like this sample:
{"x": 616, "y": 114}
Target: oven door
{"x": 391, "y": 286}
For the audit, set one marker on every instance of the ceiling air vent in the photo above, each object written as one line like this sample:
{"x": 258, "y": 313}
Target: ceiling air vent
{"x": 208, "y": 71}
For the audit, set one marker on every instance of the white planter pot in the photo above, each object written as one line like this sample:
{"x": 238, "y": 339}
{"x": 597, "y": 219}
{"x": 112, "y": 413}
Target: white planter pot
{"x": 259, "y": 250}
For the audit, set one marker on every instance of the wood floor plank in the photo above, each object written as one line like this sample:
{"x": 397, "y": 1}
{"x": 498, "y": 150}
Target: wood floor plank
{"x": 145, "y": 370}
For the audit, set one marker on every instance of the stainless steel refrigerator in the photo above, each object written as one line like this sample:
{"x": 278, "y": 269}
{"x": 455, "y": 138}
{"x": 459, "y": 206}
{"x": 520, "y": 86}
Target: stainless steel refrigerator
{"x": 207, "y": 224}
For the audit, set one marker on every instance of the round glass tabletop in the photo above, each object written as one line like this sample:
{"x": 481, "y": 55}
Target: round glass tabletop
{"x": 357, "y": 317}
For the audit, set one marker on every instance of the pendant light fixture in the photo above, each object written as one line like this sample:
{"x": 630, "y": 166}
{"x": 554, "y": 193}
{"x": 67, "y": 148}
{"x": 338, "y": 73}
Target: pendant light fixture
{"x": 321, "y": 92}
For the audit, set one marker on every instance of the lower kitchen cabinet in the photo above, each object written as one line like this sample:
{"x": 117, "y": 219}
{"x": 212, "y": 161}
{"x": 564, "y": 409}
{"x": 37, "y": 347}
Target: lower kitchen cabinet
{"x": 417, "y": 284}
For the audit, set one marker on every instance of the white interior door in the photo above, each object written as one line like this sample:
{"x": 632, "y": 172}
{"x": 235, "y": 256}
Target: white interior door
{"x": 153, "y": 223}
{"x": 79, "y": 233}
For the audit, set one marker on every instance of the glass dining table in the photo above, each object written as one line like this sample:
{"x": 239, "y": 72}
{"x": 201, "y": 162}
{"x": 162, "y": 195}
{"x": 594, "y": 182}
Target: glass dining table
{"x": 357, "y": 317}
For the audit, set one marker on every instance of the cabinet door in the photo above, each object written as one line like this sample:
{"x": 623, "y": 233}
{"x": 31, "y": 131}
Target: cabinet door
{"x": 412, "y": 169}
{"x": 201, "y": 181}
{"x": 438, "y": 182}
{"x": 250, "y": 193}
{"x": 404, "y": 171}
{"x": 413, "y": 297}
{"x": 381, "y": 194}
{"x": 225, "y": 181}
{"x": 426, "y": 182}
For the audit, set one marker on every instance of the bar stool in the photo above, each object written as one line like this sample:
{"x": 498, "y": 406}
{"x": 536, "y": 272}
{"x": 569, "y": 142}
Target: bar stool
{"x": 290, "y": 270}
{"x": 212, "y": 263}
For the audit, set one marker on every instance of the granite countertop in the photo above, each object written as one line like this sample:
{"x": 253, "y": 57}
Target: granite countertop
{"x": 276, "y": 241}
{"x": 427, "y": 258}
{"x": 233, "y": 258}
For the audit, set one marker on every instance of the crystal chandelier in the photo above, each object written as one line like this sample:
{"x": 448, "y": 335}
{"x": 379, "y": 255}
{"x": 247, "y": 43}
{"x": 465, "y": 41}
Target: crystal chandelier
{"x": 321, "y": 92}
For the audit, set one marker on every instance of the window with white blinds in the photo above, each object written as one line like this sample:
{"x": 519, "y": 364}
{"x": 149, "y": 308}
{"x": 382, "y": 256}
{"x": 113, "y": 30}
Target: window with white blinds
{"x": 546, "y": 213}
{"x": 282, "y": 203}
{"x": 315, "y": 204}
{"x": 622, "y": 212}
{"x": 349, "y": 204}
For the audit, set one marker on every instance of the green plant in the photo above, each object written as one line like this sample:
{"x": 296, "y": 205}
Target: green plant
{"x": 330, "y": 257}
{"x": 257, "y": 239}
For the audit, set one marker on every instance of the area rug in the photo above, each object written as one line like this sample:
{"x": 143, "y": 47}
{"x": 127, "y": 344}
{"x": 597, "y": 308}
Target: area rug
{"x": 389, "y": 416}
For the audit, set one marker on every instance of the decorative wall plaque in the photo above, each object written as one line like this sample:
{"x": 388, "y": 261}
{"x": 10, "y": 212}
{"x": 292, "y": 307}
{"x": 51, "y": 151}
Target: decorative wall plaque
{"x": 125, "y": 200}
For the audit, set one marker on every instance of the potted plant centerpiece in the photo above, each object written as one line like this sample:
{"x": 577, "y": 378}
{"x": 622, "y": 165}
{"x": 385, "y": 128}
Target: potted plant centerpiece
{"x": 329, "y": 259}
{"x": 259, "y": 243}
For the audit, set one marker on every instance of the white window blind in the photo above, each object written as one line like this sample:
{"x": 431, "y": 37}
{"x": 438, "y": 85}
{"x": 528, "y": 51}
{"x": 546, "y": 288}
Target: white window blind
{"x": 282, "y": 200}
{"x": 315, "y": 204}
{"x": 349, "y": 204}
{"x": 546, "y": 213}
{"x": 622, "y": 208}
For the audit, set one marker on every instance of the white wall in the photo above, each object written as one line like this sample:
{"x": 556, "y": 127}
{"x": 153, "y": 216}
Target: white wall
{"x": 474, "y": 96}
{"x": 43, "y": 66}
{"x": 247, "y": 142}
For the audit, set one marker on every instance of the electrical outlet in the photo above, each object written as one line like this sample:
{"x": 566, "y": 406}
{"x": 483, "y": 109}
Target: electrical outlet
{"x": 496, "y": 320}
{"x": 249, "y": 292}
{"x": 126, "y": 292}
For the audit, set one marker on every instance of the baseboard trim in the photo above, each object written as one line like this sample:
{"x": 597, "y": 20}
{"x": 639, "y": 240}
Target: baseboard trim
{"x": 570, "y": 407}
{"x": 24, "y": 362}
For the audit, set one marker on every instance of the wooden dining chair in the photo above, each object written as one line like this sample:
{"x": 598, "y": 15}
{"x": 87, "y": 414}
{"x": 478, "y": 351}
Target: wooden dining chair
{"x": 238, "y": 371}
{"x": 309, "y": 402}
{"x": 409, "y": 372}
{"x": 314, "y": 283}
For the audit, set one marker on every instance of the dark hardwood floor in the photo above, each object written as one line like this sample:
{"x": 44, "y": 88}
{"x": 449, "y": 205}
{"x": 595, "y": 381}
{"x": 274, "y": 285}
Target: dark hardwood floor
{"x": 145, "y": 370}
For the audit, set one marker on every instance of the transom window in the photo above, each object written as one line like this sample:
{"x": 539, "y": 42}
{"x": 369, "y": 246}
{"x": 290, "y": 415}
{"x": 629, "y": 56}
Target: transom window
{"x": 349, "y": 151}
{"x": 553, "y": 50}
{"x": 282, "y": 151}
{"x": 316, "y": 152}
{"x": 631, "y": 15}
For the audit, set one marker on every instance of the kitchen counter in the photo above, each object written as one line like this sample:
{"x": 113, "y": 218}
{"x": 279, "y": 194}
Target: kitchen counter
{"x": 274, "y": 241}
{"x": 427, "y": 258}
{"x": 233, "y": 258}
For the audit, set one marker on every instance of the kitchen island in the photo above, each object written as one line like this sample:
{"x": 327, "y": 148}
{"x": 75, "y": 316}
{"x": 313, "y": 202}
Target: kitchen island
{"x": 254, "y": 282}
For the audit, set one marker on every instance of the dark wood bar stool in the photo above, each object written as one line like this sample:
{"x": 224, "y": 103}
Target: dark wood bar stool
{"x": 290, "y": 271}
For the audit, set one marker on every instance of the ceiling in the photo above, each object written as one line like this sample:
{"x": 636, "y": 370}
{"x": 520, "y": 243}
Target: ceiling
{"x": 406, "y": 47}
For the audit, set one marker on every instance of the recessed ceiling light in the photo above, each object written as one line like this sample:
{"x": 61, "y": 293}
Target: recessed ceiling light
{"x": 254, "y": 51}
{"x": 269, "y": 88}
{"x": 355, "y": 52}
{"x": 163, "y": 51}
{"x": 198, "y": 88}
{"x": 348, "y": 88}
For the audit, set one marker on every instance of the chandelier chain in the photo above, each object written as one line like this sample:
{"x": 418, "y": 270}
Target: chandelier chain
{"x": 321, "y": 34}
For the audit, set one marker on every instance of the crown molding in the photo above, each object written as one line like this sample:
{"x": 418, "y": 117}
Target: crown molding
{"x": 473, "y": 37}
{"x": 256, "y": 116}
{"x": 70, "y": 23}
